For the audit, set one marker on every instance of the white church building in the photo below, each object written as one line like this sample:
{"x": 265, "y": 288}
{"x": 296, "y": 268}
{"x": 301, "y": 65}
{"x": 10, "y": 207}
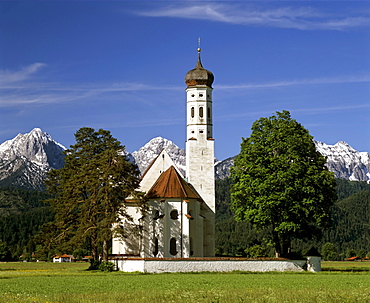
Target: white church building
{"x": 176, "y": 233}
{"x": 180, "y": 219}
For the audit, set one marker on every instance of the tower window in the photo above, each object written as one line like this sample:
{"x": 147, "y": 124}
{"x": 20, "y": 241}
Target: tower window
{"x": 201, "y": 111}
{"x": 173, "y": 250}
{"x": 209, "y": 113}
{"x": 200, "y": 95}
{"x": 201, "y": 132}
{"x": 192, "y": 112}
{"x": 174, "y": 214}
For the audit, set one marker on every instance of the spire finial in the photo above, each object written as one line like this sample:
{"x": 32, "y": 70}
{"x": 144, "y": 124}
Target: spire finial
{"x": 199, "y": 63}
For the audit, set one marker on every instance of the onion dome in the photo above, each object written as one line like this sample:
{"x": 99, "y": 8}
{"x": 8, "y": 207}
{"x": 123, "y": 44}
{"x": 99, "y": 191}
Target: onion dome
{"x": 199, "y": 75}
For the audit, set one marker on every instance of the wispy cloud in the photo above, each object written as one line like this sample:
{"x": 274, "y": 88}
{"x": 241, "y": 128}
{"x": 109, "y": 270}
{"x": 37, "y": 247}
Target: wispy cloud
{"x": 7, "y": 76}
{"x": 301, "y": 18}
{"x": 20, "y": 87}
{"x": 334, "y": 80}
{"x": 26, "y": 87}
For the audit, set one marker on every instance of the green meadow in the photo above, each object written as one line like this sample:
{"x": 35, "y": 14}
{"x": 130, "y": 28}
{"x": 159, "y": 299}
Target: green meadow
{"x": 48, "y": 282}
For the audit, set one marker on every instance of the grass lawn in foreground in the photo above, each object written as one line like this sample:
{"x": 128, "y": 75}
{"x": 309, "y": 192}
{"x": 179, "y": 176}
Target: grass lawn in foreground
{"x": 71, "y": 282}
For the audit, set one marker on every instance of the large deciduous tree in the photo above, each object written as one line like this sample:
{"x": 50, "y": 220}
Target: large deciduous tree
{"x": 281, "y": 183}
{"x": 90, "y": 190}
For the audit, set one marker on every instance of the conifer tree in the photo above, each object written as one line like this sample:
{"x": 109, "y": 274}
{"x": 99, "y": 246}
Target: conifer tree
{"x": 90, "y": 190}
{"x": 281, "y": 182}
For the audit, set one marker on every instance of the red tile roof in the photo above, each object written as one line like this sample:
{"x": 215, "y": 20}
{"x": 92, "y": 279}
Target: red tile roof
{"x": 353, "y": 258}
{"x": 171, "y": 185}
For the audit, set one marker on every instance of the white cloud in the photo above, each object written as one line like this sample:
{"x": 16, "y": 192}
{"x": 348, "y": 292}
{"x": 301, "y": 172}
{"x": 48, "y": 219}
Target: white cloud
{"x": 7, "y": 76}
{"x": 23, "y": 87}
{"x": 19, "y": 87}
{"x": 302, "y": 18}
{"x": 334, "y": 80}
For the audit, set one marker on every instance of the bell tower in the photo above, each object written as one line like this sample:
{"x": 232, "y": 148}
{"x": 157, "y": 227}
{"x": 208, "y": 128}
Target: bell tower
{"x": 200, "y": 146}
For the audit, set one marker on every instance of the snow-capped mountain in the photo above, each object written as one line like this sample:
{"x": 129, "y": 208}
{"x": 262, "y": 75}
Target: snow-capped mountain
{"x": 346, "y": 162}
{"x": 25, "y": 160}
{"x": 146, "y": 154}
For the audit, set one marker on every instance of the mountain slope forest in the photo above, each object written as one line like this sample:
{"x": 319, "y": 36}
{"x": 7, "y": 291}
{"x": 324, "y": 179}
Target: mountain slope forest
{"x": 22, "y": 213}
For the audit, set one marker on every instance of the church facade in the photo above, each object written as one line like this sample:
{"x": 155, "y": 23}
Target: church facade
{"x": 179, "y": 221}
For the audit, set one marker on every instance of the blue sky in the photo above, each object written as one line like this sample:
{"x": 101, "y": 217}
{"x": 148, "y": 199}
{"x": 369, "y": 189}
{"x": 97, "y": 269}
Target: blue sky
{"x": 120, "y": 65}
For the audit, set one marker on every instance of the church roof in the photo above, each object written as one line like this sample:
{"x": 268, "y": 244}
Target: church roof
{"x": 199, "y": 75}
{"x": 171, "y": 185}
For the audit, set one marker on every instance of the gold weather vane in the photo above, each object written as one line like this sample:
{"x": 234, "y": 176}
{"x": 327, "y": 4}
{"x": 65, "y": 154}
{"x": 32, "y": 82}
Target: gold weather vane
{"x": 199, "y": 49}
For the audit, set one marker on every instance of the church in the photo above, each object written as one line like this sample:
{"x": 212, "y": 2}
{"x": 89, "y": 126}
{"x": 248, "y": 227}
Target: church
{"x": 179, "y": 221}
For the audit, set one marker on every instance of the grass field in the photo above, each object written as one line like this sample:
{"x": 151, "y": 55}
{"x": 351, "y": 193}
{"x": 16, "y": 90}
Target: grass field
{"x": 48, "y": 282}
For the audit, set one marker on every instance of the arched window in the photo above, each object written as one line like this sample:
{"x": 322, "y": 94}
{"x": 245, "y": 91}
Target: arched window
{"x": 192, "y": 112}
{"x": 173, "y": 250}
{"x": 155, "y": 247}
{"x": 174, "y": 214}
{"x": 201, "y": 111}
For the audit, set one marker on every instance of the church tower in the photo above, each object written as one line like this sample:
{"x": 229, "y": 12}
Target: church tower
{"x": 200, "y": 146}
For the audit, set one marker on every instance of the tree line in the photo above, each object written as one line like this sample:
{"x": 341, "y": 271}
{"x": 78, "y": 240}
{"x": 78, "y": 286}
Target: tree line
{"x": 349, "y": 233}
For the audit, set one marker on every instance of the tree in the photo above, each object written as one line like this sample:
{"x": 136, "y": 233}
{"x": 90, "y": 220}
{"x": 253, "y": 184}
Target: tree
{"x": 4, "y": 252}
{"x": 329, "y": 251}
{"x": 280, "y": 182}
{"x": 90, "y": 191}
{"x": 350, "y": 253}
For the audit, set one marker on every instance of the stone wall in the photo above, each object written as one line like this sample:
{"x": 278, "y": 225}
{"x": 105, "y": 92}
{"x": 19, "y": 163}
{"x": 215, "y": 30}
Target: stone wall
{"x": 161, "y": 266}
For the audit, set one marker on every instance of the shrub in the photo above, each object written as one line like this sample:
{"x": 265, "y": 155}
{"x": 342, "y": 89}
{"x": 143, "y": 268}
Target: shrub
{"x": 94, "y": 264}
{"x": 361, "y": 254}
{"x": 329, "y": 251}
{"x": 106, "y": 266}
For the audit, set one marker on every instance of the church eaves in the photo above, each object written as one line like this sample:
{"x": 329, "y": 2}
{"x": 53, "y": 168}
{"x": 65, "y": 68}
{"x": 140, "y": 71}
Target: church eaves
{"x": 171, "y": 185}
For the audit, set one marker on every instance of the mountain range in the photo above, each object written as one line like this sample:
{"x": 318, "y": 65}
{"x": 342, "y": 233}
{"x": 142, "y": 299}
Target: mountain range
{"x": 25, "y": 160}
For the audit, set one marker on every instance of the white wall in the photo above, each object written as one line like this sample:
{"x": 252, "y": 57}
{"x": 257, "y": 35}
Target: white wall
{"x": 161, "y": 266}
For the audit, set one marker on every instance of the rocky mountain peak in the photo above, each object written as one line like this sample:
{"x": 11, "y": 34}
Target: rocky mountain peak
{"x": 146, "y": 154}
{"x": 25, "y": 160}
{"x": 345, "y": 161}
{"x": 36, "y": 146}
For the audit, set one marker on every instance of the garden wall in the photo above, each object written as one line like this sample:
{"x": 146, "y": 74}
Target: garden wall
{"x": 161, "y": 266}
